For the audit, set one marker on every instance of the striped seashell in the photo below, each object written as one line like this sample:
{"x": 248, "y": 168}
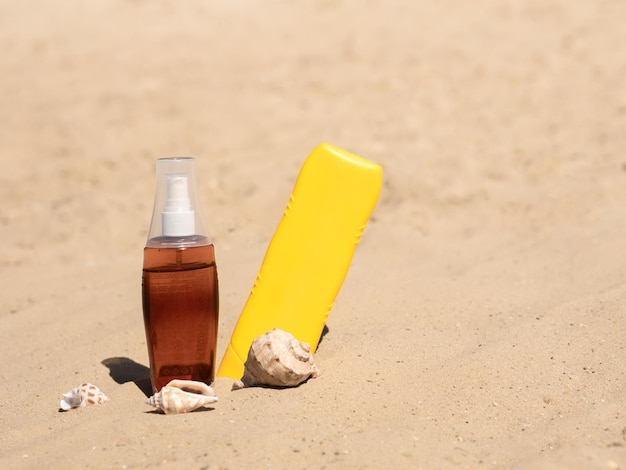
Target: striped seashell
{"x": 83, "y": 395}
{"x": 182, "y": 396}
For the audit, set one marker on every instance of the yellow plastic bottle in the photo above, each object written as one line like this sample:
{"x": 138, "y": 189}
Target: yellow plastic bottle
{"x": 310, "y": 252}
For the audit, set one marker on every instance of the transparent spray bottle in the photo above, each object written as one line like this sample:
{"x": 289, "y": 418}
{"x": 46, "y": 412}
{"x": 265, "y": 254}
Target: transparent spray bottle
{"x": 179, "y": 284}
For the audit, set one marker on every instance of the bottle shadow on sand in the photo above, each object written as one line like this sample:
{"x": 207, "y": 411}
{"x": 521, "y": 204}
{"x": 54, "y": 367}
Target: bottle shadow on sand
{"x": 123, "y": 370}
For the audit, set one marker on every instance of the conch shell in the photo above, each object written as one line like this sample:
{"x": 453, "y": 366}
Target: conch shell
{"x": 277, "y": 359}
{"x": 83, "y": 395}
{"x": 182, "y": 396}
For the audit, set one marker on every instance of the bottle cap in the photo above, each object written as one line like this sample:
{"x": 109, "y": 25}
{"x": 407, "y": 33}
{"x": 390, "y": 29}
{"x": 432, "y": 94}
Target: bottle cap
{"x": 176, "y": 214}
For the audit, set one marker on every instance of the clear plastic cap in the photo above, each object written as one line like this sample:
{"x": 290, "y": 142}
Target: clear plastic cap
{"x": 176, "y": 217}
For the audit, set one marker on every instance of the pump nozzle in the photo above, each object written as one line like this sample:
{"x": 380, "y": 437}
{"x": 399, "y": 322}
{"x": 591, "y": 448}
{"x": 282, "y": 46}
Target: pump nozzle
{"x": 178, "y": 218}
{"x": 177, "y": 194}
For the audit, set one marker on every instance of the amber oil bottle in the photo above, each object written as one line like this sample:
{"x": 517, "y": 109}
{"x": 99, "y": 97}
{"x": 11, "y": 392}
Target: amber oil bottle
{"x": 179, "y": 284}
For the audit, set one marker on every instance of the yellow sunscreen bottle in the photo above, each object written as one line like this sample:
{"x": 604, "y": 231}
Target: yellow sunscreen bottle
{"x": 310, "y": 252}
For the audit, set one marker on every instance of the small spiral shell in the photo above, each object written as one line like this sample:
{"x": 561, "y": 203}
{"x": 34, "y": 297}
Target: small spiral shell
{"x": 182, "y": 396}
{"x": 83, "y": 395}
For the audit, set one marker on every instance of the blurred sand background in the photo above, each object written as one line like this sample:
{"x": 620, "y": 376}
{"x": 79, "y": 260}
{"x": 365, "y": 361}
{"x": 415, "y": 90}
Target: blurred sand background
{"x": 482, "y": 323}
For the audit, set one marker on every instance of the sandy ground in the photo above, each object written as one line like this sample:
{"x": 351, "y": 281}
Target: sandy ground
{"x": 482, "y": 322}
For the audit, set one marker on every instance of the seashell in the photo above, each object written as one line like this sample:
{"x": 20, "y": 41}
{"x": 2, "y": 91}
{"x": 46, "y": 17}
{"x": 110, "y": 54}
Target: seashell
{"x": 182, "y": 396}
{"x": 83, "y": 395}
{"x": 277, "y": 359}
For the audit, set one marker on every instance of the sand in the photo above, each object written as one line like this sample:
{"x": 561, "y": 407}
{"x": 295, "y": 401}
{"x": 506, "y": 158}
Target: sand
{"x": 481, "y": 324}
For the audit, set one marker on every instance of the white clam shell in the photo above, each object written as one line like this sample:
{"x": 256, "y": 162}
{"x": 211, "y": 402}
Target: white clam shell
{"x": 182, "y": 396}
{"x": 83, "y": 395}
{"x": 277, "y": 359}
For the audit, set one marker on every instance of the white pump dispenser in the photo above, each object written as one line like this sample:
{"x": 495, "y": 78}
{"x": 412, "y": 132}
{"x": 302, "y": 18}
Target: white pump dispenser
{"x": 178, "y": 218}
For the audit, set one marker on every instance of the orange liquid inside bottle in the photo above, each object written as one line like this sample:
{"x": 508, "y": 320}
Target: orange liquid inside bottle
{"x": 180, "y": 309}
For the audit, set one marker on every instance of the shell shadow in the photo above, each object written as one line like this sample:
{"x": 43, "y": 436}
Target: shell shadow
{"x": 123, "y": 370}
{"x": 272, "y": 387}
{"x": 202, "y": 409}
{"x": 325, "y": 331}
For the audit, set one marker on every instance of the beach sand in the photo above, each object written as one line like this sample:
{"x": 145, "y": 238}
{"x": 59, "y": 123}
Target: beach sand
{"x": 482, "y": 322}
